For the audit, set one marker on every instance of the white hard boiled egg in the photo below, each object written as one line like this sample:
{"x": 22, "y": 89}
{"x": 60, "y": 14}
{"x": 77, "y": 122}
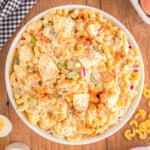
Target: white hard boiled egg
{"x": 17, "y": 146}
{"x": 5, "y": 126}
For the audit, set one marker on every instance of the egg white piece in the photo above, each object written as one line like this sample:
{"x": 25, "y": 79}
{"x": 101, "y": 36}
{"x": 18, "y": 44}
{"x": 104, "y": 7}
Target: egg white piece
{"x": 17, "y": 146}
{"x": 7, "y": 126}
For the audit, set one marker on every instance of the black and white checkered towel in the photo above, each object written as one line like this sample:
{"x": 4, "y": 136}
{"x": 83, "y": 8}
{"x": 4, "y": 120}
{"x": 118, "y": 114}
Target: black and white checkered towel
{"x": 12, "y": 13}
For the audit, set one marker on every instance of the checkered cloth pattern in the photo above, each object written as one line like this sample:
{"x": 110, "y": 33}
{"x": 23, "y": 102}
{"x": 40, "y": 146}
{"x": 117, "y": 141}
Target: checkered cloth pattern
{"x": 12, "y": 12}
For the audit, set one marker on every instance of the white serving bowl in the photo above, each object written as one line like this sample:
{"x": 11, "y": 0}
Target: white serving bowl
{"x": 111, "y": 130}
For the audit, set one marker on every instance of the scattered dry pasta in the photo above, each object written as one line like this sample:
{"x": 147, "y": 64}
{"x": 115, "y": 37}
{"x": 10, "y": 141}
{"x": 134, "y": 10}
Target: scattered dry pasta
{"x": 127, "y": 134}
{"x": 142, "y": 129}
{"x": 142, "y": 135}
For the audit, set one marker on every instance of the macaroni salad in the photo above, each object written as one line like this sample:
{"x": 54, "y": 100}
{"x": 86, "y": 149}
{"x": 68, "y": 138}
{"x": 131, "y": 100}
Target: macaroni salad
{"x": 74, "y": 73}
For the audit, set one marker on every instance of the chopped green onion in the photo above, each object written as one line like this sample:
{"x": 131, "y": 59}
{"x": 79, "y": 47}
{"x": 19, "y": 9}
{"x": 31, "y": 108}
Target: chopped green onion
{"x": 60, "y": 135}
{"x": 32, "y": 102}
{"x": 29, "y": 100}
{"x": 16, "y": 61}
{"x": 52, "y": 31}
{"x": 73, "y": 75}
{"x": 33, "y": 41}
{"x": 116, "y": 37}
{"x": 49, "y": 23}
{"x": 46, "y": 25}
{"x": 62, "y": 66}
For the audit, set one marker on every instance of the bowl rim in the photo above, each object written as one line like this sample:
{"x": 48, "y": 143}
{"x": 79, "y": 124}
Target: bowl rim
{"x": 112, "y": 129}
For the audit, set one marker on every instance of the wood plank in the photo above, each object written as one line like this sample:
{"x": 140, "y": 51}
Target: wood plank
{"x": 95, "y": 3}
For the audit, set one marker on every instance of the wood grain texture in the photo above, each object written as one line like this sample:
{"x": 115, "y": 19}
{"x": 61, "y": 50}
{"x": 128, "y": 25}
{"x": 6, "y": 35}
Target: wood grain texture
{"x": 124, "y": 12}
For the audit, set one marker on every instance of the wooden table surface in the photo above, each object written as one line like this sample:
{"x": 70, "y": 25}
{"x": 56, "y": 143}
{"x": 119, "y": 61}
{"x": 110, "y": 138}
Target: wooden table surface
{"x": 124, "y": 12}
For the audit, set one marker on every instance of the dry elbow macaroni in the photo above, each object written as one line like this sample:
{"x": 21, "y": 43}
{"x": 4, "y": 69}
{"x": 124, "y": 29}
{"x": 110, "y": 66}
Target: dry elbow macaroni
{"x": 75, "y": 73}
{"x": 146, "y": 91}
{"x": 142, "y": 128}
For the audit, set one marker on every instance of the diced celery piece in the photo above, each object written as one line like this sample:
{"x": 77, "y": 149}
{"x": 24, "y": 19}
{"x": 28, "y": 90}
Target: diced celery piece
{"x": 32, "y": 102}
{"x": 73, "y": 75}
{"x": 62, "y": 66}
{"x": 33, "y": 41}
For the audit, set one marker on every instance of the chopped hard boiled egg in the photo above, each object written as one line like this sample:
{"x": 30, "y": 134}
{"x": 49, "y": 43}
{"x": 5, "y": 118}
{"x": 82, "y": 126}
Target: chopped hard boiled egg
{"x": 90, "y": 58}
{"x": 109, "y": 100}
{"x": 93, "y": 29}
{"x": 25, "y": 54}
{"x": 81, "y": 102}
{"x": 47, "y": 68}
{"x": 5, "y": 126}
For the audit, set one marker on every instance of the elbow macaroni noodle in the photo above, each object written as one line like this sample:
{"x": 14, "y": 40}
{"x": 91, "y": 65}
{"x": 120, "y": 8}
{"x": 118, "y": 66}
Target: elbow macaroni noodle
{"x": 140, "y": 113}
{"x": 74, "y": 74}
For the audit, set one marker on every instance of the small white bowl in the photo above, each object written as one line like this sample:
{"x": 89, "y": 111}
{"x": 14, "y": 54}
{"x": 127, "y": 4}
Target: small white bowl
{"x": 17, "y": 146}
{"x": 140, "y": 11}
{"x": 111, "y": 130}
